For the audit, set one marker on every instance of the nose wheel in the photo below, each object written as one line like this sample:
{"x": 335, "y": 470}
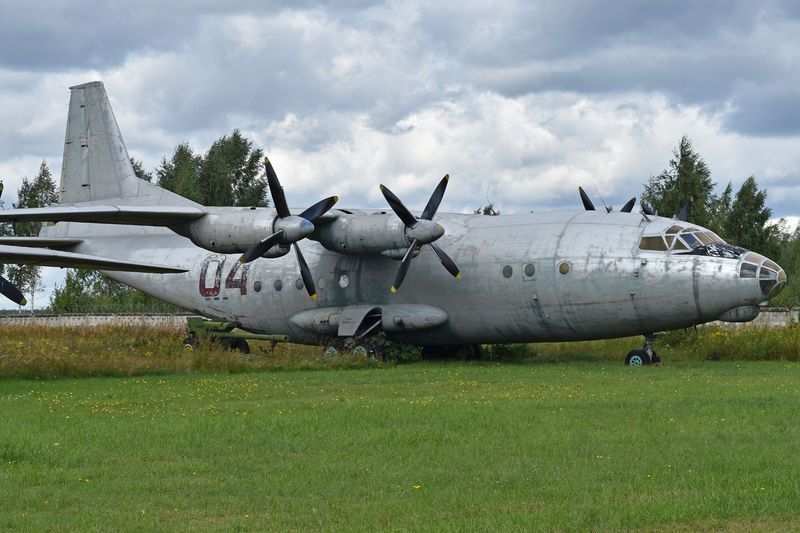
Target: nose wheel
{"x": 645, "y": 355}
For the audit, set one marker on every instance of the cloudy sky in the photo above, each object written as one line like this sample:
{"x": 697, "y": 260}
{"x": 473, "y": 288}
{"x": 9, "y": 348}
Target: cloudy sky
{"x": 520, "y": 102}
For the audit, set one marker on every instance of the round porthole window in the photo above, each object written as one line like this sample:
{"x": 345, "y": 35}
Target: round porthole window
{"x": 278, "y": 285}
{"x": 530, "y": 270}
{"x": 299, "y": 283}
{"x": 507, "y": 271}
{"x": 563, "y": 268}
{"x": 344, "y": 281}
{"x": 257, "y": 286}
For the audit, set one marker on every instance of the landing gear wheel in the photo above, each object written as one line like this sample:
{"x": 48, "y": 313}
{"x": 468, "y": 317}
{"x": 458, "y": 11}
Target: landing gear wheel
{"x": 190, "y": 343}
{"x": 330, "y": 352}
{"x": 637, "y": 358}
{"x": 359, "y": 350}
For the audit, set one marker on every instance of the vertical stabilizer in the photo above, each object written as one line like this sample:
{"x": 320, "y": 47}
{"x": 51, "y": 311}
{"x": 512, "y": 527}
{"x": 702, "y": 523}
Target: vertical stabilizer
{"x": 96, "y": 165}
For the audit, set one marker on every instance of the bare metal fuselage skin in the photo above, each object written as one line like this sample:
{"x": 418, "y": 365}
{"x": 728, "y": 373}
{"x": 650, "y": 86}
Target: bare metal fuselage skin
{"x": 526, "y": 278}
{"x": 546, "y": 276}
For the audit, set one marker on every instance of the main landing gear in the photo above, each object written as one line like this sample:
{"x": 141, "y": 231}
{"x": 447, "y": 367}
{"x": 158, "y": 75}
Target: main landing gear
{"x": 645, "y": 355}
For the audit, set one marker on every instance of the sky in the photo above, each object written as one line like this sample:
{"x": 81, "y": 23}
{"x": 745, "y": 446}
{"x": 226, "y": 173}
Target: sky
{"x": 520, "y": 102}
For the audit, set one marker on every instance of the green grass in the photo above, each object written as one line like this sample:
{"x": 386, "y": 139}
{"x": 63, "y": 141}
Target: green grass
{"x": 427, "y": 446}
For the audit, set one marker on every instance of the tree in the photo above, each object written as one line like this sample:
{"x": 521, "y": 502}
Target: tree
{"x": 140, "y": 172}
{"x": 179, "y": 173}
{"x": 228, "y": 174}
{"x": 687, "y": 176}
{"x": 746, "y": 222}
{"x": 486, "y": 210}
{"x": 40, "y": 192}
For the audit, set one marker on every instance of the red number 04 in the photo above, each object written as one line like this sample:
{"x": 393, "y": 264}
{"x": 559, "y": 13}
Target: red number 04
{"x": 231, "y": 282}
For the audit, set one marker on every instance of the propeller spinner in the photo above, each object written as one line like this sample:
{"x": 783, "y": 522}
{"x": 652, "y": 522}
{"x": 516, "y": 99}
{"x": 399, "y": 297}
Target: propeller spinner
{"x": 288, "y": 229}
{"x": 420, "y": 230}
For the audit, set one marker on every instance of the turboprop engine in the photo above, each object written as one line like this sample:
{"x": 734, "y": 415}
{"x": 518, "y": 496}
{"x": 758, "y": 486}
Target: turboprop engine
{"x": 234, "y": 232}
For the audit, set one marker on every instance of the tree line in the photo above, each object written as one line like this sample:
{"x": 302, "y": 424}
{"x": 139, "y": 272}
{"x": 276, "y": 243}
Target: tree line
{"x": 230, "y": 172}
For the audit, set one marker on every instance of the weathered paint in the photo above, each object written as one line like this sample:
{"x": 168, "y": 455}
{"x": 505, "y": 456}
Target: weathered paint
{"x": 589, "y": 278}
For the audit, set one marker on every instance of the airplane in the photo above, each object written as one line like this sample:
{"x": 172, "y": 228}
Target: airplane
{"x": 517, "y": 278}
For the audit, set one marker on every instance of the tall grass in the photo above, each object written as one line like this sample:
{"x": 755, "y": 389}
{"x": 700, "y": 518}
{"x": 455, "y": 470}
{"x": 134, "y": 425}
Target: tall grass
{"x": 41, "y": 352}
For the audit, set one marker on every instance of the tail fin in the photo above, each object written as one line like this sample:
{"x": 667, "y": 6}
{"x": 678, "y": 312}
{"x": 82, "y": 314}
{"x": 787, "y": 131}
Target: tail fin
{"x": 96, "y": 165}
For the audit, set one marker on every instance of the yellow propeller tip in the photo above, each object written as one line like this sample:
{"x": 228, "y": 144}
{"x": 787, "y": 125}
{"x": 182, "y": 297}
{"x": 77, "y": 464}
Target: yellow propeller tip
{"x": 382, "y": 187}
{"x": 447, "y": 177}
{"x": 394, "y": 289}
{"x": 241, "y": 260}
{"x": 335, "y": 199}
{"x": 313, "y": 296}
{"x": 458, "y": 276}
{"x": 23, "y": 302}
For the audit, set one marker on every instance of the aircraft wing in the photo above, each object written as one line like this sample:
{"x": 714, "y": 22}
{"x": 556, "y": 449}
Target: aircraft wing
{"x": 106, "y": 214}
{"x": 22, "y": 255}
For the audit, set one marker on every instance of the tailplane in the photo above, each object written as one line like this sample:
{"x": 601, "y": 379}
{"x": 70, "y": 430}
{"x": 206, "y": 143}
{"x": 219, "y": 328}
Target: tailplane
{"x": 96, "y": 166}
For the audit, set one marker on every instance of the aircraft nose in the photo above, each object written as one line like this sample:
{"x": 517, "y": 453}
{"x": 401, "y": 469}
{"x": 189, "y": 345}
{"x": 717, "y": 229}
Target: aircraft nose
{"x": 771, "y": 277}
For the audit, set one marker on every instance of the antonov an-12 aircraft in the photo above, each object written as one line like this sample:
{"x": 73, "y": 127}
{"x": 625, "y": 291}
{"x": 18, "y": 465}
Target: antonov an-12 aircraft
{"x": 427, "y": 278}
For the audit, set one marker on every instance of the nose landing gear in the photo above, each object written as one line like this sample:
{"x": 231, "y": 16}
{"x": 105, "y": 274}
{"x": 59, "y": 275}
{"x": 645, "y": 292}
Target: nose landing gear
{"x": 645, "y": 355}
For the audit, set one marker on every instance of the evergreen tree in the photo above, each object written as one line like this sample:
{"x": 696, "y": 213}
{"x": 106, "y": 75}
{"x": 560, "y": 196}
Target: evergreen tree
{"x": 140, "y": 172}
{"x": 687, "y": 176}
{"x": 230, "y": 173}
{"x": 40, "y": 192}
{"x": 746, "y": 222}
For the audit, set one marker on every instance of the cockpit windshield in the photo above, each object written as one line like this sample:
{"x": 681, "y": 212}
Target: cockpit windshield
{"x": 679, "y": 238}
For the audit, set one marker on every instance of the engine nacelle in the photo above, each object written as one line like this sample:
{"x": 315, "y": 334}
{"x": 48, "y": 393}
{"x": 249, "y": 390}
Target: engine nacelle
{"x": 231, "y": 231}
{"x": 363, "y": 234}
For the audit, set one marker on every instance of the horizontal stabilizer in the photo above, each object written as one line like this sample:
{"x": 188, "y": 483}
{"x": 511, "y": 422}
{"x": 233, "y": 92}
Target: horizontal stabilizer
{"x": 41, "y": 242}
{"x": 138, "y": 215}
{"x": 20, "y": 255}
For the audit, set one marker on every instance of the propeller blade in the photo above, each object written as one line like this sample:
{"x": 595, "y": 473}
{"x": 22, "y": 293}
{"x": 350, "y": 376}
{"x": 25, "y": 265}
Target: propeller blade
{"x": 446, "y": 261}
{"x": 276, "y": 190}
{"x": 305, "y": 272}
{"x": 314, "y": 212}
{"x": 587, "y": 204}
{"x": 259, "y": 249}
{"x": 1, "y": 188}
{"x": 627, "y": 208}
{"x": 8, "y": 290}
{"x": 401, "y": 272}
{"x": 646, "y": 208}
{"x": 436, "y": 199}
{"x": 687, "y": 208}
{"x": 398, "y": 207}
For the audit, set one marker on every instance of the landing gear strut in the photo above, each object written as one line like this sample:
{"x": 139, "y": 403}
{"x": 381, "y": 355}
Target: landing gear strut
{"x": 645, "y": 355}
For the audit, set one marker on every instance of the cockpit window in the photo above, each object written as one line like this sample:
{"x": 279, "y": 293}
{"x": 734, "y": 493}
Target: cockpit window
{"x": 748, "y": 270}
{"x": 653, "y": 243}
{"x": 690, "y": 240}
{"x": 679, "y": 238}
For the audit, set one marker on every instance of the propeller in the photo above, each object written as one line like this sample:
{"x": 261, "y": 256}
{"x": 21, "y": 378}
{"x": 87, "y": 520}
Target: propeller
{"x": 627, "y": 208}
{"x": 646, "y": 209}
{"x": 589, "y": 206}
{"x": 420, "y": 230}
{"x": 288, "y": 229}
{"x": 8, "y": 290}
{"x": 687, "y": 208}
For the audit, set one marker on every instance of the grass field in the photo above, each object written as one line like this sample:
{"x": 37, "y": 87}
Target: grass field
{"x": 456, "y": 446}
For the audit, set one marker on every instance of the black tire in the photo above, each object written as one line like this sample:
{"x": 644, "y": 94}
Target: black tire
{"x": 241, "y": 345}
{"x": 190, "y": 343}
{"x": 637, "y": 358}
